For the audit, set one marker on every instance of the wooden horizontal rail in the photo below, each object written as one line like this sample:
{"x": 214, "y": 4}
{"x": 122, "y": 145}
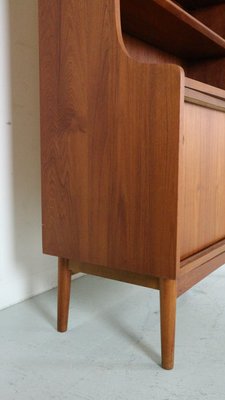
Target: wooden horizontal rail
{"x": 202, "y": 257}
{"x": 193, "y": 270}
{"x": 204, "y": 88}
{"x": 192, "y": 277}
{"x": 204, "y": 100}
{"x": 118, "y": 275}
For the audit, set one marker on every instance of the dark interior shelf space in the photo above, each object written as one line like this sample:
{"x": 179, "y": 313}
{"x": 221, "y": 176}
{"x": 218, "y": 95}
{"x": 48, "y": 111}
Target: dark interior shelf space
{"x": 193, "y": 4}
{"x": 169, "y": 27}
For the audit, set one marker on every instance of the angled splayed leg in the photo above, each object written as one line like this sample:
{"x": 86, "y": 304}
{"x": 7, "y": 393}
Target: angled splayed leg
{"x": 168, "y": 295}
{"x": 64, "y": 284}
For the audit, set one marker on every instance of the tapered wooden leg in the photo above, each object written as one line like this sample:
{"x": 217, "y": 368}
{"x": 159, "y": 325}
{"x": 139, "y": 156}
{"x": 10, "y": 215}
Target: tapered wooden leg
{"x": 64, "y": 283}
{"x": 168, "y": 295}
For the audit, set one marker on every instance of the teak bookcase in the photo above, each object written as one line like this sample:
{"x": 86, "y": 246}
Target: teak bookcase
{"x": 133, "y": 144}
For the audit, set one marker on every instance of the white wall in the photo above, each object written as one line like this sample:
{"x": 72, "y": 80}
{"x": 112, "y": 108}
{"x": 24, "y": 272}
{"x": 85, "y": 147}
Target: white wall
{"x": 24, "y": 271}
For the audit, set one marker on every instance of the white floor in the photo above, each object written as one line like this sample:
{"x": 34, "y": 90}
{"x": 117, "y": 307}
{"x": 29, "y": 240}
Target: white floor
{"x": 112, "y": 348}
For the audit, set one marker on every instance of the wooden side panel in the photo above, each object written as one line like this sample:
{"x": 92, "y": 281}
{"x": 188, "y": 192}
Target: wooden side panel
{"x": 203, "y": 203}
{"x": 144, "y": 198}
{"x": 63, "y": 126}
{"x": 110, "y": 143}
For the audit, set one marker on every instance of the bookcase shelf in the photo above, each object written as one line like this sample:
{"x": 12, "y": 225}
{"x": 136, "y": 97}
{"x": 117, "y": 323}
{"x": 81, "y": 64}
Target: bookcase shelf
{"x": 133, "y": 145}
{"x": 169, "y": 27}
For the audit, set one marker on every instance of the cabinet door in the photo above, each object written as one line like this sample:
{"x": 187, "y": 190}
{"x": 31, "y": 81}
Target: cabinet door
{"x": 203, "y": 178}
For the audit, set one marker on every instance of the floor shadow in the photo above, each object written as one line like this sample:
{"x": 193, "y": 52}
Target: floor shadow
{"x": 88, "y": 294}
{"x": 133, "y": 339}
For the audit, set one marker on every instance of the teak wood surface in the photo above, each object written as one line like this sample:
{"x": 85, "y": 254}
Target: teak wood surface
{"x": 133, "y": 144}
{"x": 203, "y": 177}
{"x": 107, "y": 181}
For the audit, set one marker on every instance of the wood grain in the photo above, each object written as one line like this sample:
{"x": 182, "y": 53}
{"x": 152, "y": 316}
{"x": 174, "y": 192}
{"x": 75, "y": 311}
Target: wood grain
{"x": 110, "y": 143}
{"x": 203, "y": 215}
